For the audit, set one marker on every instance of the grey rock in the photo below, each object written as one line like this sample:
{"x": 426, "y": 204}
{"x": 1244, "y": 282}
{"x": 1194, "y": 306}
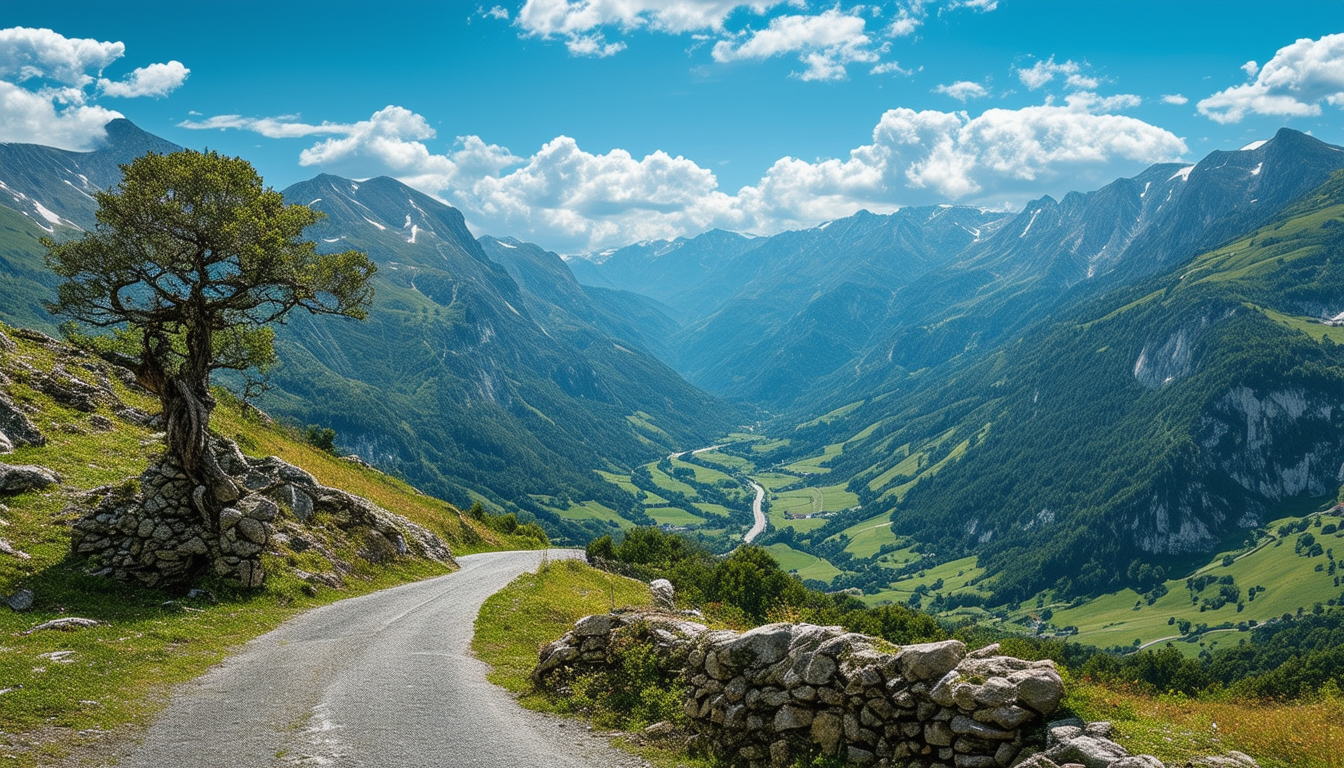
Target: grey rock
{"x": 18, "y": 478}
{"x": 1088, "y": 751}
{"x": 664, "y": 594}
{"x": 252, "y": 530}
{"x": 1137, "y": 761}
{"x": 1037, "y": 761}
{"x": 6, "y": 445}
{"x": 779, "y": 754}
{"x": 930, "y": 661}
{"x": 761, "y": 646}
{"x": 591, "y": 626}
{"x": 1232, "y": 759}
{"x": 1040, "y": 688}
{"x": 17, "y": 426}
{"x": 827, "y": 731}
{"x": 819, "y": 670}
{"x": 22, "y": 600}
{"x": 938, "y": 734}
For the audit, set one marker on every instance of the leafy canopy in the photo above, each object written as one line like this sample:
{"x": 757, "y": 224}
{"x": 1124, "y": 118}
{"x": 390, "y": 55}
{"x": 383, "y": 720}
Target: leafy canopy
{"x": 191, "y": 260}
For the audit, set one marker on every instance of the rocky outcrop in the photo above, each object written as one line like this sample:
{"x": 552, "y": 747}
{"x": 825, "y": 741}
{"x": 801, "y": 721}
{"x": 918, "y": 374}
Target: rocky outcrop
{"x": 784, "y": 691}
{"x": 18, "y": 478}
{"x": 153, "y": 532}
{"x": 15, "y": 426}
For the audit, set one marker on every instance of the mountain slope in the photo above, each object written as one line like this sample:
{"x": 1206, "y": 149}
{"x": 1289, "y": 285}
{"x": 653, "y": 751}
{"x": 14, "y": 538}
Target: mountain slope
{"x": 1154, "y": 422}
{"x": 464, "y": 381}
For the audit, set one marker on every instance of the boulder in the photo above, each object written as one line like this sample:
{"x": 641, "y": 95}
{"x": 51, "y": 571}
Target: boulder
{"x": 664, "y": 594}
{"x": 1088, "y": 751}
{"x": 1232, "y": 759}
{"x": 6, "y": 445}
{"x": 21, "y": 600}
{"x": 17, "y": 478}
{"x": 16, "y": 425}
{"x": 930, "y": 661}
{"x": 1137, "y": 761}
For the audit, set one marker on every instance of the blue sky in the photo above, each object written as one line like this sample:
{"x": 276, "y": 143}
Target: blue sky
{"x": 586, "y": 124}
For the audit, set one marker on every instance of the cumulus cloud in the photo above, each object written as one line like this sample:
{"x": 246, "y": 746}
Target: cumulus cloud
{"x": 157, "y": 80}
{"x": 1294, "y": 83}
{"x": 1043, "y": 72}
{"x": 47, "y": 81}
{"x": 1174, "y": 98}
{"x": 572, "y": 199}
{"x": 826, "y": 43}
{"x": 963, "y": 90}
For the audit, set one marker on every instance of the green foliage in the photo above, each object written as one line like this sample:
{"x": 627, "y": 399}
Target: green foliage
{"x": 322, "y": 438}
{"x": 634, "y": 691}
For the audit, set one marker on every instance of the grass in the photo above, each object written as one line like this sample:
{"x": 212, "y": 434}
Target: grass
{"x": 955, "y": 575}
{"x": 592, "y": 510}
{"x": 667, "y": 482}
{"x": 827, "y": 418}
{"x": 120, "y": 672}
{"x": 1291, "y": 582}
{"x": 812, "y": 466}
{"x": 1177, "y": 729}
{"x": 703, "y": 475}
{"x": 674, "y": 516}
{"x": 733, "y": 463}
{"x": 623, "y": 482}
{"x": 536, "y": 608}
{"x": 866, "y": 537}
{"x": 807, "y": 566}
{"x": 773, "y": 480}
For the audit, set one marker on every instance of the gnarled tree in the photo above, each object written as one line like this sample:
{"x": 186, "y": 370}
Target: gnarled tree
{"x": 192, "y": 260}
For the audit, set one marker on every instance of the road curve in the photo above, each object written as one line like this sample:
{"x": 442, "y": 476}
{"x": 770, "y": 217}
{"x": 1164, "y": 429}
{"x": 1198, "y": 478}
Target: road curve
{"x": 759, "y": 527}
{"x": 383, "y": 680}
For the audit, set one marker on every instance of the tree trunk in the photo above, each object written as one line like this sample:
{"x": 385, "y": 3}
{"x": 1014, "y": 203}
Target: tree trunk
{"x": 187, "y": 406}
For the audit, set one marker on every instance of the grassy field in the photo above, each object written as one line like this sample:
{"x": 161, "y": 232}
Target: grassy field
{"x": 663, "y": 480}
{"x": 773, "y": 480}
{"x": 827, "y": 418}
{"x": 715, "y": 510}
{"x": 119, "y": 672}
{"x": 703, "y": 475}
{"x": 731, "y": 463}
{"x": 623, "y": 482}
{"x": 868, "y": 536}
{"x": 592, "y": 510}
{"x": 807, "y": 566}
{"x": 954, "y": 574}
{"x": 673, "y": 516}
{"x": 1291, "y": 582}
{"x": 1178, "y": 729}
{"x": 802, "y": 526}
{"x": 812, "y": 466}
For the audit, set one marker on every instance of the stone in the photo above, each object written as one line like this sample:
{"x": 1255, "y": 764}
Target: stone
{"x": 1009, "y": 716}
{"x": 100, "y": 423}
{"x": 1041, "y": 688}
{"x": 827, "y": 731}
{"x": 659, "y": 729}
{"x": 930, "y": 661}
{"x": 1137, "y": 761}
{"x": 664, "y": 594}
{"x": 6, "y": 445}
{"x": 17, "y": 426}
{"x": 1005, "y": 753}
{"x": 859, "y": 756}
{"x": 1232, "y": 759}
{"x": 779, "y": 754}
{"x": 21, "y": 601}
{"x": 975, "y": 761}
{"x": 1037, "y": 761}
{"x": 18, "y": 478}
{"x": 1088, "y": 751}
{"x": 761, "y": 646}
{"x": 259, "y": 508}
{"x": 819, "y": 670}
{"x": 938, "y": 734}
{"x": 591, "y": 626}
{"x": 252, "y": 530}
{"x": 228, "y": 518}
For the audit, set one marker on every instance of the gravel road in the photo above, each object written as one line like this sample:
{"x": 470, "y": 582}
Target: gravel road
{"x": 384, "y": 680}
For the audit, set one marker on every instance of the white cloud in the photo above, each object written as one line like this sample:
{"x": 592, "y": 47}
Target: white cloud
{"x": 1081, "y": 81}
{"x": 1043, "y": 72}
{"x": 826, "y": 43}
{"x": 1294, "y": 83}
{"x": 496, "y": 12}
{"x": 284, "y": 127}
{"x": 584, "y": 25}
{"x": 156, "y": 80}
{"x": 27, "y": 54}
{"x": 963, "y": 90}
{"x": 572, "y": 200}
{"x": 47, "y": 81}
{"x": 33, "y": 117}
{"x": 1174, "y": 98}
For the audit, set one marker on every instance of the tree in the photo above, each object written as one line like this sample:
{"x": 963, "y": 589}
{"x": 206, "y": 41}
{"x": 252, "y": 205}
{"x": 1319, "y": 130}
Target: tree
{"x": 191, "y": 262}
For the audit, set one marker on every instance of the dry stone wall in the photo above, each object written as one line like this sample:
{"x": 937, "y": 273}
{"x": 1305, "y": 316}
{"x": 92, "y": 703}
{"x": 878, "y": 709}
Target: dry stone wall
{"x": 153, "y": 533}
{"x": 778, "y": 692}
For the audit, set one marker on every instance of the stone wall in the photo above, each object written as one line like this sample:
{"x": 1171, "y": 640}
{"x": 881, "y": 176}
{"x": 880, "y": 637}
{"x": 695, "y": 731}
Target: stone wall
{"x": 153, "y": 533}
{"x": 778, "y": 692}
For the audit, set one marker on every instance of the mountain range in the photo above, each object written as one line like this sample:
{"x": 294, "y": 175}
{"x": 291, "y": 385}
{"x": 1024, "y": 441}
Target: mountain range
{"x": 1133, "y": 373}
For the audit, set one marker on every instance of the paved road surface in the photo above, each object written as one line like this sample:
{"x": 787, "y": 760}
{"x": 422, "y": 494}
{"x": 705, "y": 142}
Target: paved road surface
{"x": 384, "y": 681}
{"x": 759, "y": 527}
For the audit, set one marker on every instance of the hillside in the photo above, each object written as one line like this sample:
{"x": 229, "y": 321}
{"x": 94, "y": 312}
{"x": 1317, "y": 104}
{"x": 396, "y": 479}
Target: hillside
{"x": 464, "y": 382}
{"x": 76, "y": 691}
{"x": 1162, "y": 422}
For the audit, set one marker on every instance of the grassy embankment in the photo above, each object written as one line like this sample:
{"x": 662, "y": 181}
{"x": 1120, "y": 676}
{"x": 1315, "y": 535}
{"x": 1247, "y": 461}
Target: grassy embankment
{"x": 537, "y": 608}
{"x": 61, "y": 693}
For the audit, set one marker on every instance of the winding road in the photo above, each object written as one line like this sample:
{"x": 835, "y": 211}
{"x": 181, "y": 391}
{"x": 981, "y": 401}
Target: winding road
{"x": 759, "y": 527}
{"x": 385, "y": 680}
